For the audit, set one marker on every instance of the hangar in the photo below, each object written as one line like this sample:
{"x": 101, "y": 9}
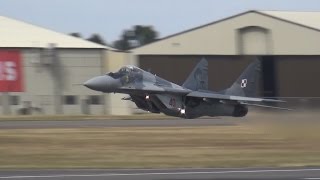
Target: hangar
{"x": 53, "y": 68}
{"x": 287, "y": 42}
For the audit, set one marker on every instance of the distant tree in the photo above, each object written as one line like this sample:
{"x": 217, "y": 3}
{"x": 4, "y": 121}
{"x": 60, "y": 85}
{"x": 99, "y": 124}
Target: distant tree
{"x": 97, "y": 39}
{"x": 137, "y": 36}
{"x": 76, "y": 34}
{"x": 121, "y": 44}
{"x": 145, "y": 34}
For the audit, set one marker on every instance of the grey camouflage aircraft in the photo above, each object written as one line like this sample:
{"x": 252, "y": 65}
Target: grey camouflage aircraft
{"x": 191, "y": 100}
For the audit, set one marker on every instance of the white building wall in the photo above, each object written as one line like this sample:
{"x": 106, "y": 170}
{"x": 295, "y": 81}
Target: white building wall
{"x": 77, "y": 66}
{"x": 221, "y": 38}
{"x": 116, "y": 106}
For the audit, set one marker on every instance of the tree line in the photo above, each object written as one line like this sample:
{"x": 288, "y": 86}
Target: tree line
{"x": 136, "y": 36}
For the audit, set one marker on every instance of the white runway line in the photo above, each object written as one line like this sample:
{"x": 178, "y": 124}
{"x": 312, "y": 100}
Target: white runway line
{"x": 159, "y": 173}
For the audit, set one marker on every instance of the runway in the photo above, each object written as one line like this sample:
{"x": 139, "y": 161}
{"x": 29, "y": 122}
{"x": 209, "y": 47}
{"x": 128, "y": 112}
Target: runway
{"x": 164, "y": 174}
{"x": 27, "y": 124}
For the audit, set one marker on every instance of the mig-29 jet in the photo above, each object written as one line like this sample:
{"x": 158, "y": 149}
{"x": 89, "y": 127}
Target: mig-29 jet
{"x": 191, "y": 100}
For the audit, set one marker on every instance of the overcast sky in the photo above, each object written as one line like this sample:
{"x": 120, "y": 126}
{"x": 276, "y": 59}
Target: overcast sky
{"x": 110, "y": 17}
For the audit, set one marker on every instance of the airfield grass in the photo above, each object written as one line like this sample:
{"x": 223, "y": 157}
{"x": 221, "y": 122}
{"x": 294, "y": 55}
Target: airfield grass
{"x": 82, "y": 117}
{"x": 242, "y": 145}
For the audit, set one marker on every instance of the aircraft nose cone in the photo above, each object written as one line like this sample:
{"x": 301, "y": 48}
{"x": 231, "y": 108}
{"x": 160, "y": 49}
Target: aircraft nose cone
{"x": 100, "y": 83}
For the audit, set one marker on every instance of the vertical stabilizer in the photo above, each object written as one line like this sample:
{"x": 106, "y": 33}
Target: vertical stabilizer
{"x": 198, "y": 79}
{"x": 247, "y": 83}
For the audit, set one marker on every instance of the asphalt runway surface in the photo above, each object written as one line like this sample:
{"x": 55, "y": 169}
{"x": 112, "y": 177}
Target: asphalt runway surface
{"x": 164, "y": 174}
{"x": 27, "y": 124}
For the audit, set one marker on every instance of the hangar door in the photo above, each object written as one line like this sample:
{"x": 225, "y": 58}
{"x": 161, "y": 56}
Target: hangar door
{"x": 269, "y": 76}
{"x": 223, "y": 70}
{"x": 298, "y": 76}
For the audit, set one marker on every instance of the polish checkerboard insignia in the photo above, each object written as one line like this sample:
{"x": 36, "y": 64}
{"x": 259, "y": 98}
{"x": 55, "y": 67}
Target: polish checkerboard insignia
{"x": 244, "y": 83}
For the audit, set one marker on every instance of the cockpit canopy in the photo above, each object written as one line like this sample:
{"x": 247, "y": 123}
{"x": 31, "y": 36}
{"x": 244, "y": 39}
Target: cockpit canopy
{"x": 125, "y": 70}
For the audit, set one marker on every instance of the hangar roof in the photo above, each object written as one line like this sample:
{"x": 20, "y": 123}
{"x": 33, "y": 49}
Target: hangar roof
{"x": 309, "y": 19}
{"x": 281, "y": 33}
{"x": 15, "y": 33}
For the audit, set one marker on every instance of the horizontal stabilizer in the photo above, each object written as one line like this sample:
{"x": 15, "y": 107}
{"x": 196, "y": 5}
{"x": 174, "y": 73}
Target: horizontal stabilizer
{"x": 265, "y": 106}
{"x": 256, "y": 99}
{"x": 212, "y": 95}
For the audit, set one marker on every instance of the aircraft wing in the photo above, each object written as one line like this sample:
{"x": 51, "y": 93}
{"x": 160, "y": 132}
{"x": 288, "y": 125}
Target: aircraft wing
{"x": 229, "y": 97}
{"x": 154, "y": 89}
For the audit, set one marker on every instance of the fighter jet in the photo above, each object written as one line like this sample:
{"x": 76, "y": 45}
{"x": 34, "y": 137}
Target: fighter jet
{"x": 192, "y": 99}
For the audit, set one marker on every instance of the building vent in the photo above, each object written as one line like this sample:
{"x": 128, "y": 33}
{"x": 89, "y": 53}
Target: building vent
{"x": 49, "y": 54}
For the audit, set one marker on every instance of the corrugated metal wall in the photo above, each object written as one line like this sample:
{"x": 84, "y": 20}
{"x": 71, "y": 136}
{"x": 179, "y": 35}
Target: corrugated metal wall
{"x": 294, "y": 75}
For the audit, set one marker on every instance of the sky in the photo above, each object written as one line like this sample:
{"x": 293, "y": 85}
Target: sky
{"x": 110, "y": 17}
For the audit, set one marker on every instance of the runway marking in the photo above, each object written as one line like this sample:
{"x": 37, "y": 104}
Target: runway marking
{"x": 157, "y": 173}
{"x": 312, "y": 178}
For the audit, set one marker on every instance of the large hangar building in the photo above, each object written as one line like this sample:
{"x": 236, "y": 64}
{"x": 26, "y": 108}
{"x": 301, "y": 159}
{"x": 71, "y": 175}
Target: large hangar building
{"x": 53, "y": 69}
{"x": 54, "y": 65}
{"x": 287, "y": 42}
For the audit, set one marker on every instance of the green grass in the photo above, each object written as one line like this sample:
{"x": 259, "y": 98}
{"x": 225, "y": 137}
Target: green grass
{"x": 245, "y": 145}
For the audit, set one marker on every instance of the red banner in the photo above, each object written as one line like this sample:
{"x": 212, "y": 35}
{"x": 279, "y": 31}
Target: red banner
{"x": 11, "y": 78}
